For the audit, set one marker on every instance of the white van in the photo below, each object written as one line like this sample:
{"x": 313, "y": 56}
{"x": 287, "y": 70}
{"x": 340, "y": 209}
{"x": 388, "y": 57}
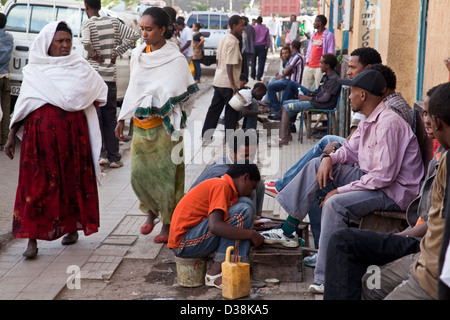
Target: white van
{"x": 26, "y": 18}
{"x": 215, "y": 28}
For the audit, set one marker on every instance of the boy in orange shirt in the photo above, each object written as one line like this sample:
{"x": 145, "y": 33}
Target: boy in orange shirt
{"x": 216, "y": 214}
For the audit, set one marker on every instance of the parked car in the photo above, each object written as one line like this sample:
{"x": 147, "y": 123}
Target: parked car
{"x": 26, "y": 18}
{"x": 215, "y": 28}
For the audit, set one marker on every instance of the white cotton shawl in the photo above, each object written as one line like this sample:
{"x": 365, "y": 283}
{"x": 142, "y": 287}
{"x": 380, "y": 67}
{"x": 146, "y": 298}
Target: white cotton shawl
{"x": 68, "y": 82}
{"x": 160, "y": 85}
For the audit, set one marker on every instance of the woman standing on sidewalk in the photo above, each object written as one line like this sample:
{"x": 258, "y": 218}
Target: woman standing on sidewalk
{"x": 61, "y": 142}
{"x": 197, "y": 45}
{"x": 160, "y": 85}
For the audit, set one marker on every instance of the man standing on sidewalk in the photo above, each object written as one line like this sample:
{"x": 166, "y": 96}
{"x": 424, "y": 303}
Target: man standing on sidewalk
{"x": 274, "y": 28}
{"x": 262, "y": 44}
{"x": 6, "y": 46}
{"x": 105, "y": 38}
{"x": 226, "y": 79}
{"x": 322, "y": 42}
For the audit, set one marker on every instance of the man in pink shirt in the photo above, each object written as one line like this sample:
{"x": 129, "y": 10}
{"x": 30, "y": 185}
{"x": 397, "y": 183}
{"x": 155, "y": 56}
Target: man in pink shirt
{"x": 262, "y": 44}
{"x": 387, "y": 177}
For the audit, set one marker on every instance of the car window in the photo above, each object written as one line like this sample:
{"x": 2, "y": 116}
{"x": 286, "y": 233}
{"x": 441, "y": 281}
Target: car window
{"x": 224, "y": 22}
{"x": 203, "y": 18}
{"x": 192, "y": 19}
{"x": 17, "y": 19}
{"x": 40, "y": 16}
{"x": 214, "y": 21}
{"x": 72, "y": 17}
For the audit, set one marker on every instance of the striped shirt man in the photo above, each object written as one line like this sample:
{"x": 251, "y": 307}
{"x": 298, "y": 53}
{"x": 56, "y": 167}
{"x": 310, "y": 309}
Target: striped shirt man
{"x": 108, "y": 38}
{"x": 296, "y": 62}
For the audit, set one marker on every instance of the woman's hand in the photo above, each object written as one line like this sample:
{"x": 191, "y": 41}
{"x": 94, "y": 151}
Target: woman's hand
{"x": 10, "y": 146}
{"x": 119, "y": 130}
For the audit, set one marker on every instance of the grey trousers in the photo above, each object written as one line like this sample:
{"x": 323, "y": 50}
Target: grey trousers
{"x": 298, "y": 196}
{"x": 396, "y": 282}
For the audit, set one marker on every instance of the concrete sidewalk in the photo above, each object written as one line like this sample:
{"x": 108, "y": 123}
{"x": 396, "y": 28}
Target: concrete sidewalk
{"x": 98, "y": 256}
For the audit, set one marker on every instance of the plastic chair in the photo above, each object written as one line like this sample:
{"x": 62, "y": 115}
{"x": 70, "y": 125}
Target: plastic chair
{"x": 328, "y": 112}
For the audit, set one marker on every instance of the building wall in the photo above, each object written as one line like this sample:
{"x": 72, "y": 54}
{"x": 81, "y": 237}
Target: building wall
{"x": 438, "y": 44}
{"x": 399, "y": 43}
{"x": 394, "y": 33}
{"x": 284, "y": 8}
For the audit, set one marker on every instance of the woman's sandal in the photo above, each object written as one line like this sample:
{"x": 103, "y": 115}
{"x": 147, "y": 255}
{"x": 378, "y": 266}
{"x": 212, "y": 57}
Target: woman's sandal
{"x": 161, "y": 239}
{"x": 209, "y": 280}
{"x": 146, "y": 228}
{"x": 30, "y": 253}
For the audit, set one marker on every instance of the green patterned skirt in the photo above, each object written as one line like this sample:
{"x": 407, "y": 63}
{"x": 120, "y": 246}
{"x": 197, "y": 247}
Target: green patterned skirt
{"x": 157, "y": 181}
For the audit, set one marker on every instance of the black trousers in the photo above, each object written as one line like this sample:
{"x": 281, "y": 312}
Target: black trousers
{"x": 220, "y": 99}
{"x": 108, "y": 121}
{"x": 261, "y": 55}
{"x": 351, "y": 251}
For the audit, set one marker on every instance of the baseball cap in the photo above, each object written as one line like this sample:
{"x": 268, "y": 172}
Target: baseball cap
{"x": 370, "y": 80}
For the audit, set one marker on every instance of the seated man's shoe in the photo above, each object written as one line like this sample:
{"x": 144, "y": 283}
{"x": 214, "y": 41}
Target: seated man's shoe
{"x": 277, "y": 236}
{"x": 292, "y": 127}
{"x": 316, "y": 288}
{"x": 270, "y": 189}
{"x": 274, "y": 116}
{"x": 310, "y": 261}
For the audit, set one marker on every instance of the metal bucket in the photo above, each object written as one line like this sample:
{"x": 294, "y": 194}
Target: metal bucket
{"x": 191, "y": 271}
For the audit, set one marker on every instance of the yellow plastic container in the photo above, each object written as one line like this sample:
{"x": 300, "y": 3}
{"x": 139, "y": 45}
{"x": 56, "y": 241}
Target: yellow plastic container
{"x": 235, "y": 278}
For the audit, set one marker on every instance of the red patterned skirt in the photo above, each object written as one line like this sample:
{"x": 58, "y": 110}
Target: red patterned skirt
{"x": 57, "y": 190}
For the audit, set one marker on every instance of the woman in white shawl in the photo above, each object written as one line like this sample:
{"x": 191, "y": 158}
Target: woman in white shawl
{"x": 160, "y": 86}
{"x": 57, "y": 190}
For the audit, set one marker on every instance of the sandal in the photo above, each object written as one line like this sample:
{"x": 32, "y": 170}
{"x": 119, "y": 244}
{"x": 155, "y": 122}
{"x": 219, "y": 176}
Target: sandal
{"x": 69, "y": 239}
{"x": 30, "y": 253}
{"x": 146, "y": 228}
{"x": 161, "y": 239}
{"x": 210, "y": 280}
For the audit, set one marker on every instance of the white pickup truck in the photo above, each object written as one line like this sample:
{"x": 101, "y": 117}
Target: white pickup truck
{"x": 26, "y": 18}
{"x": 215, "y": 28}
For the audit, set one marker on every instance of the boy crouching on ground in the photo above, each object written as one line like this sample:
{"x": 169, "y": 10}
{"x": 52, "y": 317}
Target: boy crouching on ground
{"x": 214, "y": 215}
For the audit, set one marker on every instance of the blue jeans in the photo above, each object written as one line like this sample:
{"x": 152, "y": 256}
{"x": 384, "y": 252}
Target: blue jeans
{"x": 291, "y": 91}
{"x": 298, "y": 197}
{"x": 197, "y": 69}
{"x": 314, "y": 152}
{"x": 272, "y": 89}
{"x": 315, "y": 212}
{"x": 199, "y": 242}
{"x": 293, "y": 107}
{"x": 250, "y": 122}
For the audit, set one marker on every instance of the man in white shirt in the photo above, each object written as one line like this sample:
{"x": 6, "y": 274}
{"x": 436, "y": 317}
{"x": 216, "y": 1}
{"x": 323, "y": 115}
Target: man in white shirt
{"x": 274, "y": 27}
{"x": 185, "y": 40}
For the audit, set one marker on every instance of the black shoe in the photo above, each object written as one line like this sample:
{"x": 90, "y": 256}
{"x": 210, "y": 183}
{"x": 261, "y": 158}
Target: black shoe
{"x": 259, "y": 79}
{"x": 69, "y": 239}
{"x": 274, "y": 116}
{"x": 292, "y": 127}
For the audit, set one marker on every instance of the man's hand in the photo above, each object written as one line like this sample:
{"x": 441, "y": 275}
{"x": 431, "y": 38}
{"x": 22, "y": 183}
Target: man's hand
{"x": 113, "y": 58}
{"x": 119, "y": 130}
{"x": 328, "y": 196}
{"x": 447, "y": 63}
{"x": 325, "y": 172}
{"x": 98, "y": 58}
{"x": 330, "y": 147}
{"x": 304, "y": 98}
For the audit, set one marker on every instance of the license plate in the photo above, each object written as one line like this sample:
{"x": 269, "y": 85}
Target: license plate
{"x": 210, "y": 52}
{"x": 15, "y": 90}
